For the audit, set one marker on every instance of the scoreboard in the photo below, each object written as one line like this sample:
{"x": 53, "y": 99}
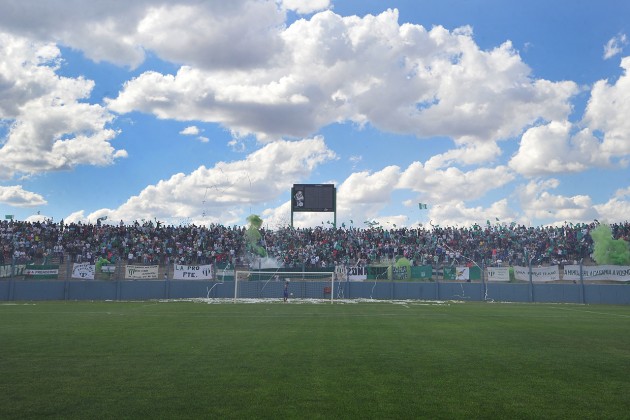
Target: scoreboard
{"x": 313, "y": 197}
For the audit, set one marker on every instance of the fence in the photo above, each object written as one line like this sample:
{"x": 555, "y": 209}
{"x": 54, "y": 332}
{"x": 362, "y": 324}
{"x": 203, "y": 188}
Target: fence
{"x": 35, "y": 290}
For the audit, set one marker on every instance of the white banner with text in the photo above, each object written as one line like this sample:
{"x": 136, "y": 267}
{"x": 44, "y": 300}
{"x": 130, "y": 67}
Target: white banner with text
{"x": 83, "y": 271}
{"x": 597, "y": 272}
{"x": 192, "y": 272}
{"x": 141, "y": 272}
{"x": 539, "y": 274}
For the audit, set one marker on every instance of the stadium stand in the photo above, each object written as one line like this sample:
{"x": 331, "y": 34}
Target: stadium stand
{"x": 156, "y": 244}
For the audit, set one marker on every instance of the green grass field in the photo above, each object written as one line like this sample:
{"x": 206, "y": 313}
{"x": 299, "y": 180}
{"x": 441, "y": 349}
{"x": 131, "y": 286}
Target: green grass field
{"x": 273, "y": 360}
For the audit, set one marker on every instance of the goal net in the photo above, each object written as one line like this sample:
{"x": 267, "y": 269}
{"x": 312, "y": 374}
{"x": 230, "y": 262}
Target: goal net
{"x": 271, "y": 285}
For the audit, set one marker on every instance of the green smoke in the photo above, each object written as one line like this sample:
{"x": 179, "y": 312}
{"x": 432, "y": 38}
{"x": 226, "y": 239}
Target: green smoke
{"x": 254, "y": 236}
{"x": 608, "y": 250}
{"x": 101, "y": 261}
{"x": 404, "y": 262}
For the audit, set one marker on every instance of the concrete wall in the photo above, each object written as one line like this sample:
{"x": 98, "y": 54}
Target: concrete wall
{"x": 33, "y": 290}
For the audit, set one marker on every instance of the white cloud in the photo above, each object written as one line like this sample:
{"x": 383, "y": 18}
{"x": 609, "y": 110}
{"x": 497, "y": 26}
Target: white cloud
{"x": 225, "y": 191}
{"x": 355, "y": 160}
{"x": 184, "y": 31}
{"x": 366, "y": 195}
{"x": 553, "y": 148}
{"x": 190, "y": 131}
{"x": 538, "y": 203}
{"x": 51, "y": 127}
{"x": 400, "y": 78}
{"x": 223, "y": 35}
{"x": 16, "y": 196}
{"x": 617, "y": 208}
{"x": 288, "y": 82}
{"x": 438, "y": 186}
{"x": 455, "y": 213}
{"x": 468, "y": 154}
{"x": 607, "y": 111}
{"x": 306, "y": 6}
{"x": 600, "y": 140}
{"x": 615, "y": 46}
{"x": 193, "y": 130}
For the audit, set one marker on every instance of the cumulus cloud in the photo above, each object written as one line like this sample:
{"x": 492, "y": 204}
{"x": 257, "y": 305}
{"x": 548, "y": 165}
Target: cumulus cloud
{"x": 456, "y": 213}
{"x": 222, "y": 193}
{"x": 443, "y": 185}
{"x": 16, "y": 196}
{"x": 468, "y": 154}
{"x": 190, "y": 31}
{"x": 51, "y": 127}
{"x": 607, "y": 111}
{"x": 280, "y": 82}
{"x": 194, "y": 131}
{"x": 197, "y": 33}
{"x": 190, "y": 131}
{"x": 554, "y": 148}
{"x": 538, "y": 203}
{"x": 400, "y": 78}
{"x": 600, "y": 139}
{"x": 617, "y": 208}
{"x": 366, "y": 195}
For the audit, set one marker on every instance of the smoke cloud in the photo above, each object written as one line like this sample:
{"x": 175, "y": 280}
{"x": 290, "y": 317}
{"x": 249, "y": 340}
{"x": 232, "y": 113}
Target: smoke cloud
{"x": 608, "y": 250}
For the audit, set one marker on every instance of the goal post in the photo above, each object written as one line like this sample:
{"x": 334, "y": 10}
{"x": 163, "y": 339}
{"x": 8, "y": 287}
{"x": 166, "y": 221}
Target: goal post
{"x": 271, "y": 284}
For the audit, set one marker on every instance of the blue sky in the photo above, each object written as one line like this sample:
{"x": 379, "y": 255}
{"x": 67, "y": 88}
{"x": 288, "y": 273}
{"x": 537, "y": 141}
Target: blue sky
{"x": 206, "y": 111}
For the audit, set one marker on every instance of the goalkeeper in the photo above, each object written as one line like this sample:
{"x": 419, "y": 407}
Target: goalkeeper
{"x": 286, "y": 290}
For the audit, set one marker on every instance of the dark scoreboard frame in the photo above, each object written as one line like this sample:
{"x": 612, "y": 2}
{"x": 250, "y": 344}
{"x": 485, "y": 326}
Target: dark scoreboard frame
{"x": 313, "y": 198}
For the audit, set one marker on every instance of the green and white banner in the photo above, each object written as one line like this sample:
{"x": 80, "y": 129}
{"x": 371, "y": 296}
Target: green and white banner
{"x": 456, "y": 273}
{"x": 83, "y": 271}
{"x": 422, "y": 272}
{"x": 141, "y": 272}
{"x": 41, "y": 272}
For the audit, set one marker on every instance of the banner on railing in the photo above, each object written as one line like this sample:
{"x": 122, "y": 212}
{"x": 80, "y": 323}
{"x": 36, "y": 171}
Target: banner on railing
{"x": 422, "y": 272}
{"x": 41, "y": 272}
{"x": 401, "y": 273}
{"x": 141, "y": 272}
{"x": 597, "y": 273}
{"x": 192, "y": 272}
{"x": 352, "y": 273}
{"x": 357, "y": 273}
{"x": 18, "y": 270}
{"x": 456, "y": 273}
{"x": 108, "y": 268}
{"x": 539, "y": 274}
{"x": 498, "y": 273}
{"x": 83, "y": 271}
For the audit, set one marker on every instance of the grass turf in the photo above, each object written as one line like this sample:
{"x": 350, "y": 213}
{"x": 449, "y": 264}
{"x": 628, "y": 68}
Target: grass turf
{"x": 273, "y": 360}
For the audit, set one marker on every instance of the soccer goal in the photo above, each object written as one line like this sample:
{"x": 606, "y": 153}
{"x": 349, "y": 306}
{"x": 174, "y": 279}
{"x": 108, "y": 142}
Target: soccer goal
{"x": 271, "y": 285}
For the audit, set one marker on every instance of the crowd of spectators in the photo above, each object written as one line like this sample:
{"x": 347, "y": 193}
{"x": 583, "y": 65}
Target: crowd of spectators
{"x": 155, "y": 243}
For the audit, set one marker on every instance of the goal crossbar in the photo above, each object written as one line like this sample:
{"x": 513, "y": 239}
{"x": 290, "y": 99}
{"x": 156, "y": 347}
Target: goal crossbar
{"x": 271, "y": 285}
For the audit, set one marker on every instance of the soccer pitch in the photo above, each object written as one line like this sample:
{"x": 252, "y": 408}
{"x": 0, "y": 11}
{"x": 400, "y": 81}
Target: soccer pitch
{"x": 413, "y": 359}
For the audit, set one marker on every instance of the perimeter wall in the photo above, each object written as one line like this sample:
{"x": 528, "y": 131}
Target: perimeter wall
{"x": 68, "y": 290}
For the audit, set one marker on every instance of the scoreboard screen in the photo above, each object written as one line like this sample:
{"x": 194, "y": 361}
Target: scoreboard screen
{"x": 313, "y": 197}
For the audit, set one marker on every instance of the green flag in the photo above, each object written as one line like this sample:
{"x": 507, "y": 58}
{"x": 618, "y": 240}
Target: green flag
{"x": 8, "y": 216}
{"x": 422, "y": 206}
